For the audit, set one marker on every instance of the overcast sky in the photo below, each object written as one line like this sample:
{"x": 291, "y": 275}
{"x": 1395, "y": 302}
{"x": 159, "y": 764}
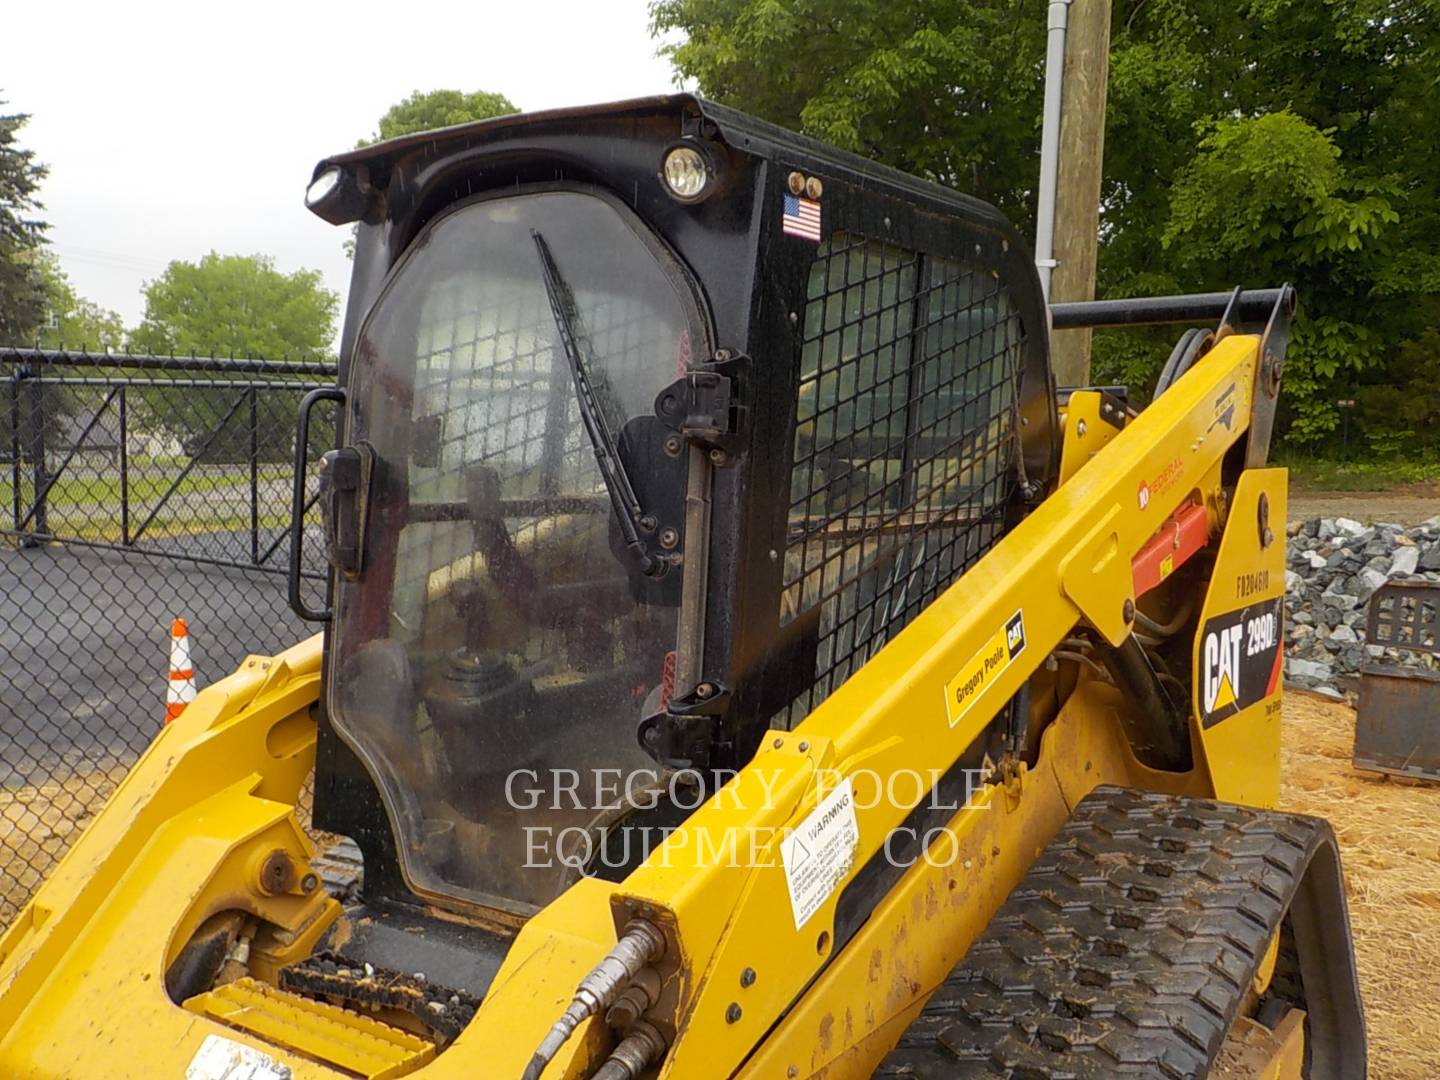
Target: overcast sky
{"x": 173, "y": 129}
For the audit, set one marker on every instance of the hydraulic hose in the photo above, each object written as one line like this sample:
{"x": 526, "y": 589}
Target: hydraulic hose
{"x": 639, "y": 945}
{"x": 1156, "y": 724}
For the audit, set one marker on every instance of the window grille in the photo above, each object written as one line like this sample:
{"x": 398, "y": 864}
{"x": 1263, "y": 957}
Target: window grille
{"x": 906, "y": 438}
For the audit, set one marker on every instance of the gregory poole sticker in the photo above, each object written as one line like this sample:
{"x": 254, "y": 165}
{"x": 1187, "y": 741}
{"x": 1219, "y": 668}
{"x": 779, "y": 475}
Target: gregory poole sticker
{"x": 978, "y": 674}
{"x": 1239, "y": 660}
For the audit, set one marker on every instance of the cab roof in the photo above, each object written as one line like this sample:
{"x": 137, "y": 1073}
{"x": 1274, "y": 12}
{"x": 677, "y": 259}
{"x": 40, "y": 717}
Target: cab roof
{"x": 739, "y": 130}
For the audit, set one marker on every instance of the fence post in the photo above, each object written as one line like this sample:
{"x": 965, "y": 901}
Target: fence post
{"x": 254, "y": 477}
{"x": 124, "y": 470}
{"x": 37, "y": 461}
{"x": 15, "y": 447}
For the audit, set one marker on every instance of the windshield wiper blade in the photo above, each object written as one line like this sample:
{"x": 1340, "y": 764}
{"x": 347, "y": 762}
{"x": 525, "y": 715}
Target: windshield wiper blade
{"x": 628, "y": 512}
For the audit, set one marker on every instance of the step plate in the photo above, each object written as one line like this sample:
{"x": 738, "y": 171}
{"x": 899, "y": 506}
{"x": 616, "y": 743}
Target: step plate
{"x": 359, "y": 1044}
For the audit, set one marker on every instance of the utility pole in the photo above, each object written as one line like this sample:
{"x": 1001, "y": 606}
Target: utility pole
{"x": 1082, "y": 156}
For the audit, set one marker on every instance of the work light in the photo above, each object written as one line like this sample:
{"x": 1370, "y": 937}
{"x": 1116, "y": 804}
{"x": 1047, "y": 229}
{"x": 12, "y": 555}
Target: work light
{"x": 686, "y": 173}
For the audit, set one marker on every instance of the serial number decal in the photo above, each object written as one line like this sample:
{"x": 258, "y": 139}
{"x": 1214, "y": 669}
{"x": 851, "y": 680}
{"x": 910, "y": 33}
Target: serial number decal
{"x": 1240, "y": 660}
{"x": 980, "y": 672}
{"x": 1250, "y": 584}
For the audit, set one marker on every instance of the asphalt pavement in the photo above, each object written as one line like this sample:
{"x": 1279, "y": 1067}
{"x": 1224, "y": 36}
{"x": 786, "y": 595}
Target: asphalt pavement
{"x": 84, "y": 648}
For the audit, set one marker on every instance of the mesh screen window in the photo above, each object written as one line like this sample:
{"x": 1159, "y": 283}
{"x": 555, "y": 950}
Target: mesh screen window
{"x": 906, "y": 434}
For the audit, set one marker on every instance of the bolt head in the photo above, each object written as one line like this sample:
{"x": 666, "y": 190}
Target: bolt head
{"x": 1129, "y": 611}
{"x": 747, "y": 977}
{"x": 732, "y": 1013}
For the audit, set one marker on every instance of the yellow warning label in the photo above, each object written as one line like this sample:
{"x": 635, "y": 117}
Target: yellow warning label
{"x": 978, "y": 674}
{"x": 1167, "y": 566}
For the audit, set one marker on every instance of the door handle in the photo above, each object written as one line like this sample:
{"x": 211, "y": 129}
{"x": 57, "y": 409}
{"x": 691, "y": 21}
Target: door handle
{"x": 297, "y": 499}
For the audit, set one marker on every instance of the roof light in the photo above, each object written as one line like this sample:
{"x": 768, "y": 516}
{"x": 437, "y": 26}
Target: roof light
{"x": 686, "y": 173}
{"x": 336, "y": 195}
{"x": 322, "y": 187}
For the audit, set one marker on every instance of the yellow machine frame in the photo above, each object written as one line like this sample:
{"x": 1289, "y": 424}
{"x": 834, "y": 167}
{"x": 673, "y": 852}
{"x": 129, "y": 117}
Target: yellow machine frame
{"x": 747, "y": 992}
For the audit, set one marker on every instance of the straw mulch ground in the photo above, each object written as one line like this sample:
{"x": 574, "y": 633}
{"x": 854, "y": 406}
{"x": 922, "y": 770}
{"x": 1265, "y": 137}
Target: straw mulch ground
{"x": 1389, "y": 832}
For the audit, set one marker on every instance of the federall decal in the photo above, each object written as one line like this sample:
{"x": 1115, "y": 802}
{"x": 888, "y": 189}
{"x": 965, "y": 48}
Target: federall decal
{"x": 1164, "y": 480}
{"x": 1240, "y": 660}
{"x": 970, "y": 683}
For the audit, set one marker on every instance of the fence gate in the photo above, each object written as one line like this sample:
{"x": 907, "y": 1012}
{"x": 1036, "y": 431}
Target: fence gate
{"x": 133, "y": 489}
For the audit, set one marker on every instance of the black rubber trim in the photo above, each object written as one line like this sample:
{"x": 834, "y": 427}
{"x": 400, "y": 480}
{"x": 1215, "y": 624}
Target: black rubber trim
{"x": 1129, "y": 947}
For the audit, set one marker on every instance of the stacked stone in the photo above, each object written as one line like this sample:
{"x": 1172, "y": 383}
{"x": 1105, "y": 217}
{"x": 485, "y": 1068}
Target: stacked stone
{"x": 1334, "y": 567}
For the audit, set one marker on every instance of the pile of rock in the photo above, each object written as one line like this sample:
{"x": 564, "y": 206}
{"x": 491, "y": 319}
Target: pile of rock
{"x": 1335, "y": 565}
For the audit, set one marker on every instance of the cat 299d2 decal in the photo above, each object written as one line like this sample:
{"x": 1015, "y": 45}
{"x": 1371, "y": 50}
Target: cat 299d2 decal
{"x": 1239, "y": 659}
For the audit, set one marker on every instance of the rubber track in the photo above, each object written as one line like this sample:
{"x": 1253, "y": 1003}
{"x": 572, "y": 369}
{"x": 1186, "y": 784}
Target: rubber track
{"x": 1126, "y": 950}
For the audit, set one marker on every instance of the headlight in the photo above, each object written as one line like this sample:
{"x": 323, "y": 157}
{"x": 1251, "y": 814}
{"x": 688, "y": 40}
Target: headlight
{"x": 322, "y": 187}
{"x": 686, "y": 173}
{"x": 336, "y": 195}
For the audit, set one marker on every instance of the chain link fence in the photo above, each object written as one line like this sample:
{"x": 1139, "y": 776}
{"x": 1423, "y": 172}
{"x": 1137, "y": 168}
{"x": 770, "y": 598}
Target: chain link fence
{"x": 133, "y": 489}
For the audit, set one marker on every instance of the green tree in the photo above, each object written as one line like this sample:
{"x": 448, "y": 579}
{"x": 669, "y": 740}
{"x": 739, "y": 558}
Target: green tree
{"x": 948, "y": 89}
{"x": 71, "y": 321}
{"x": 1246, "y": 143}
{"x": 233, "y": 305}
{"x": 237, "y": 305}
{"x": 427, "y": 110}
{"x": 21, "y": 234}
{"x": 1284, "y": 140}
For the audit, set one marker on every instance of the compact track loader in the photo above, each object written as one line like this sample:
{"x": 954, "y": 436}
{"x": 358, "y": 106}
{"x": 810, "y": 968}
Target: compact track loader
{"x": 742, "y": 661}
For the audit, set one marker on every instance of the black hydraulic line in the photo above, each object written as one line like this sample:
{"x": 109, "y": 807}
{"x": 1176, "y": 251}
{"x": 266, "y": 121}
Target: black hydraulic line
{"x": 1155, "y": 722}
{"x": 1020, "y": 720}
{"x": 1251, "y": 306}
{"x": 1193, "y": 344}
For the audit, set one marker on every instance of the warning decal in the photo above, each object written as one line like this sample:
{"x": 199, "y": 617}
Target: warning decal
{"x": 820, "y": 852}
{"x": 975, "y": 677}
{"x": 1240, "y": 660}
{"x": 224, "y": 1059}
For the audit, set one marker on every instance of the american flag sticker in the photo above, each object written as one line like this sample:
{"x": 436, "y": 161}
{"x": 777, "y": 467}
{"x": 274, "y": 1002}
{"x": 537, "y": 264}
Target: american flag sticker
{"x": 801, "y": 217}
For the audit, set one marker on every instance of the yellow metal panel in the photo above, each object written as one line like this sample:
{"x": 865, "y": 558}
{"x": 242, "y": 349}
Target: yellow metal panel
{"x": 919, "y": 931}
{"x": 1254, "y": 1052}
{"x": 358, "y": 1044}
{"x": 1241, "y": 637}
{"x": 1084, "y": 433}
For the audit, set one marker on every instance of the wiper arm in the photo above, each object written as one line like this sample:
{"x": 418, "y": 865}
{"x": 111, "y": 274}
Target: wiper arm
{"x": 628, "y": 511}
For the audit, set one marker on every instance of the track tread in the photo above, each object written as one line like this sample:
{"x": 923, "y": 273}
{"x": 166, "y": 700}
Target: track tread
{"x": 1126, "y": 951}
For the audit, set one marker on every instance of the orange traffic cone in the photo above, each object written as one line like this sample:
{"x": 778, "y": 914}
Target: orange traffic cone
{"x": 181, "y": 690}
